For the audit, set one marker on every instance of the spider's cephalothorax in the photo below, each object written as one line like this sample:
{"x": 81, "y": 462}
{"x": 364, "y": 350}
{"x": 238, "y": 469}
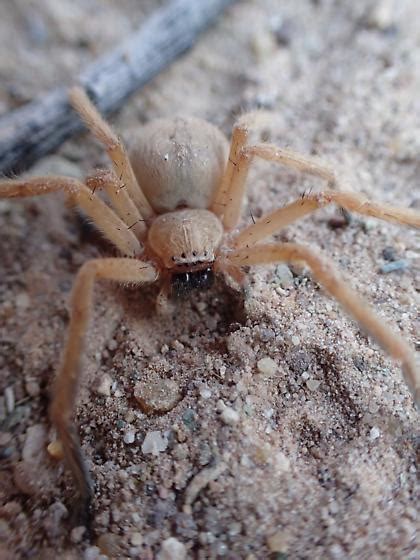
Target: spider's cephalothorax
{"x": 174, "y": 206}
{"x": 185, "y": 242}
{"x": 185, "y": 238}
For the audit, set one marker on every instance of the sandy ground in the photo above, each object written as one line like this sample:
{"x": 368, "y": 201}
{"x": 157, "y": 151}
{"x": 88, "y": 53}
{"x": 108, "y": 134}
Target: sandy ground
{"x": 292, "y": 436}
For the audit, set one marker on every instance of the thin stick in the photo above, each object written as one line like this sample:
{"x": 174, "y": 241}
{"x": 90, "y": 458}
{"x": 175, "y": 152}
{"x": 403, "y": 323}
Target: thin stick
{"x": 39, "y": 127}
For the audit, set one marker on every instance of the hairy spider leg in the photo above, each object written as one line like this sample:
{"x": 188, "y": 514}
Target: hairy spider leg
{"x": 104, "y": 218}
{"x": 119, "y": 198}
{"x": 274, "y": 221}
{"x": 114, "y": 147}
{"x": 126, "y": 271}
{"x": 326, "y": 274}
{"x": 227, "y": 203}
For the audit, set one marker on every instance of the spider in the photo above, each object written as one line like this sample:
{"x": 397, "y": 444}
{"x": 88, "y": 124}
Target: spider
{"x": 174, "y": 208}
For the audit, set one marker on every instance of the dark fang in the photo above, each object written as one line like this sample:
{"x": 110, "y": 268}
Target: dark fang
{"x": 183, "y": 283}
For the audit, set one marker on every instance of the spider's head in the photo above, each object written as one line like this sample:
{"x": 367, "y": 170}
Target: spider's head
{"x": 186, "y": 242}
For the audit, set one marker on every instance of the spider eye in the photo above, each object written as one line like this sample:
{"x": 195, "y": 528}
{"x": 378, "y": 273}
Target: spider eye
{"x": 183, "y": 255}
{"x": 174, "y": 259}
{"x": 194, "y": 253}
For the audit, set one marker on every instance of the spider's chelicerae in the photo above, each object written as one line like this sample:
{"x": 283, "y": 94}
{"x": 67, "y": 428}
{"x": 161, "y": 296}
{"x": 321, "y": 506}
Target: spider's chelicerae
{"x": 175, "y": 204}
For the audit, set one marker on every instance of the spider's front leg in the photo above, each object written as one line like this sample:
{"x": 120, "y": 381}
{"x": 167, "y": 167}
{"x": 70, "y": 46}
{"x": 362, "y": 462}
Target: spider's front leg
{"x": 113, "y": 145}
{"x": 121, "y": 270}
{"x": 274, "y": 221}
{"x": 227, "y": 203}
{"x": 325, "y": 273}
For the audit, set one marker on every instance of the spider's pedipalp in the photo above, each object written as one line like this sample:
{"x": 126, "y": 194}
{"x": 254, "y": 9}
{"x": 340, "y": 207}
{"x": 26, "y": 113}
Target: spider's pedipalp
{"x": 329, "y": 278}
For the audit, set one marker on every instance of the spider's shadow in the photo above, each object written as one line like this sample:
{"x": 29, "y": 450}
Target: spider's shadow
{"x": 216, "y": 308}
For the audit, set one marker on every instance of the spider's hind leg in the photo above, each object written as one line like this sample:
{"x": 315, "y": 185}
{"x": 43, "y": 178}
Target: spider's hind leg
{"x": 328, "y": 277}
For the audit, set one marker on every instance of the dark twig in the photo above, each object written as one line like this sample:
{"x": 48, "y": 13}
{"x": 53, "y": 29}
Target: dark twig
{"x": 30, "y": 132}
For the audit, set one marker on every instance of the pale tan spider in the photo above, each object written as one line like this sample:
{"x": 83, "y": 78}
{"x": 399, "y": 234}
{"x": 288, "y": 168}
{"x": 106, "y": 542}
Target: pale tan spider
{"x": 176, "y": 203}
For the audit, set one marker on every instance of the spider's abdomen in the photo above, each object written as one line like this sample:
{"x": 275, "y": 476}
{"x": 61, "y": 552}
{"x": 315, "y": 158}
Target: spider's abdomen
{"x": 179, "y": 162}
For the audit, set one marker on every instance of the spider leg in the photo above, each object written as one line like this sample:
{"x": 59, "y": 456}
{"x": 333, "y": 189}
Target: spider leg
{"x": 77, "y": 193}
{"x": 121, "y": 270}
{"x": 102, "y": 216}
{"x": 227, "y": 202}
{"x": 120, "y": 200}
{"x": 113, "y": 145}
{"x": 274, "y": 221}
{"x": 325, "y": 273}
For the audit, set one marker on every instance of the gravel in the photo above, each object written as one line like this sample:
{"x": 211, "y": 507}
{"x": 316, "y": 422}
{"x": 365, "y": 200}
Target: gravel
{"x": 319, "y": 445}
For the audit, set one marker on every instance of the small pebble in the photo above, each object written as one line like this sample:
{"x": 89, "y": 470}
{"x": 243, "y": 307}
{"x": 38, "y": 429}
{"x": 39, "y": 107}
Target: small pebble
{"x": 337, "y": 552}
{"x": 160, "y": 395}
{"x": 35, "y": 441}
{"x": 136, "y": 539}
{"x": 22, "y": 300}
{"x": 313, "y": 384}
{"x": 394, "y": 266}
{"x": 277, "y": 542}
{"x": 295, "y": 340}
{"x": 112, "y": 345}
{"x": 130, "y": 416}
{"x": 9, "y": 396}
{"x": 91, "y": 553}
{"x": 263, "y": 454}
{"x": 284, "y": 275}
{"x": 381, "y": 16}
{"x": 76, "y": 535}
{"x": 172, "y": 549}
{"x": 56, "y": 513}
{"x": 389, "y": 253}
{"x": 267, "y": 366}
{"x": 129, "y": 436}
{"x": 155, "y": 442}
{"x": 373, "y": 407}
{"x": 189, "y": 418}
{"x": 282, "y": 462}
{"x": 25, "y": 477}
{"x": 109, "y": 546}
{"x": 230, "y": 416}
{"x": 32, "y": 388}
{"x": 205, "y": 392}
{"x": 374, "y": 433}
{"x": 104, "y": 385}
